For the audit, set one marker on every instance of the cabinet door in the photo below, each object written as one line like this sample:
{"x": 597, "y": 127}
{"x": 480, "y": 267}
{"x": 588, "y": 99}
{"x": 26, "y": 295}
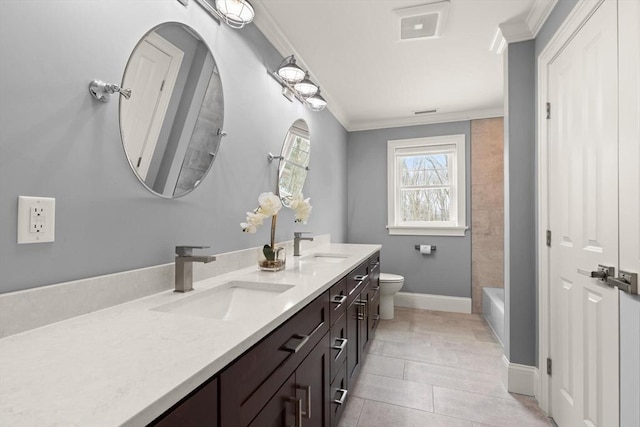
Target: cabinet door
{"x": 339, "y": 343}
{"x": 282, "y": 409}
{"x": 199, "y": 409}
{"x": 354, "y": 317}
{"x": 363, "y": 300}
{"x": 312, "y": 385}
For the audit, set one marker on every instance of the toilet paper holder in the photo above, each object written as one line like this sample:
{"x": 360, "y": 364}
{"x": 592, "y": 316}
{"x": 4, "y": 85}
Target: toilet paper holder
{"x": 433, "y": 248}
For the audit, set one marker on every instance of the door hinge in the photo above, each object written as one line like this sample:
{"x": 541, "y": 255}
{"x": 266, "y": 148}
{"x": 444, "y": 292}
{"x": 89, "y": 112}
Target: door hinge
{"x": 162, "y": 87}
{"x": 548, "y": 110}
{"x": 548, "y": 366}
{"x": 549, "y": 238}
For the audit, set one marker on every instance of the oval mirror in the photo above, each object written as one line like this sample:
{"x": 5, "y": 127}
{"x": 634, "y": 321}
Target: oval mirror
{"x": 172, "y": 125}
{"x": 294, "y": 162}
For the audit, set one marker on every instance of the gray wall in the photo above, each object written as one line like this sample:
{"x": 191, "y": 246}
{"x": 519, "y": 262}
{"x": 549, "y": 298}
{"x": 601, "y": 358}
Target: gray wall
{"x": 445, "y": 272}
{"x": 56, "y": 141}
{"x": 519, "y": 204}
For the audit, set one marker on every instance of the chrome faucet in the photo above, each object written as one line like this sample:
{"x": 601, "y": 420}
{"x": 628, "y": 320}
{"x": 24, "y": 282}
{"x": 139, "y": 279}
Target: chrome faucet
{"x": 184, "y": 266}
{"x": 297, "y": 236}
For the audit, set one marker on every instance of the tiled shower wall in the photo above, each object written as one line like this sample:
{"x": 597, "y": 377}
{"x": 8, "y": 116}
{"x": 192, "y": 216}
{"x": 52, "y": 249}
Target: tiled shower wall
{"x": 487, "y": 207}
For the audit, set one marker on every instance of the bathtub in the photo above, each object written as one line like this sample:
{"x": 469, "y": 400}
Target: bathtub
{"x": 493, "y": 310}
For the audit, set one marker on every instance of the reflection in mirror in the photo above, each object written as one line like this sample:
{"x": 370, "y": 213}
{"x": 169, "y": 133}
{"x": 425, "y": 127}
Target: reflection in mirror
{"x": 172, "y": 125}
{"x": 294, "y": 163}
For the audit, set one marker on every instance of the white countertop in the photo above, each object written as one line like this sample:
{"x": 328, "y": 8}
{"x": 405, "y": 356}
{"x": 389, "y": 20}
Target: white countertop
{"x": 127, "y": 364}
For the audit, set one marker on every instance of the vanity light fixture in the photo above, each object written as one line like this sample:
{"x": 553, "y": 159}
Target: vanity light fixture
{"x": 234, "y": 13}
{"x": 290, "y": 72}
{"x": 316, "y": 102}
{"x": 296, "y": 84}
{"x": 305, "y": 88}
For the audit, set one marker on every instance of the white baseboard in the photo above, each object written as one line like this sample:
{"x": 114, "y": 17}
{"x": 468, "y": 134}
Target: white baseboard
{"x": 432, "y": 302}
{"x": 519, "y": 379}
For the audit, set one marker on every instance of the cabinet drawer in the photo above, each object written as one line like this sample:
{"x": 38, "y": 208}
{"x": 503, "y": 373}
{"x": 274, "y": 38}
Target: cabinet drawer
{"x": 338, "y": 298}
{"x": 357, "y": 280}
{"x": 251, "y": 380}
{"x": 374, "y": 263}
{"x": 198, "y": 409}
{"x": 338, "y": 397}
{"x": 338, "y": 345}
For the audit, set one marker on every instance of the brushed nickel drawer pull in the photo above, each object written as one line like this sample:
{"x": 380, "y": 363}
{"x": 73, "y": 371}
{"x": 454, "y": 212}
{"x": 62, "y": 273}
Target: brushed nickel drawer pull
{"x": 339, "y": 299}
{"x": 340, "y": 347}
{"x": 298, "y": 405}
{"x": 342, "y": 398}
{"x": 307, "y": 390}
{"x": 291, "y": 349}
{"x": 361, "y": 278}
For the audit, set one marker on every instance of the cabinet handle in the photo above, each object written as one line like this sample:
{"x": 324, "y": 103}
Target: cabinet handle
{"x": 339, "y": 299}
{"x": 307, "y": 390}
{"x": 291, "y": 349}
{"x": 342, "y": 398}
{"x": 340, "y": 347}
{"x": 298, "y": 404}
{"x": 364, "y": 303}
{"x": 361, "y": 278}
{"x": 376, "y": 317}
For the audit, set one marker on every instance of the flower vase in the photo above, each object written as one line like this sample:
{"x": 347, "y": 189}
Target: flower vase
{"x": 272, "y": 259}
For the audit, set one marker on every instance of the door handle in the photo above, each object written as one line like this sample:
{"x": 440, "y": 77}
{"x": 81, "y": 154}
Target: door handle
{"x": 298, "y": 405}
{"x": 627, "y": 282}
{"x": 602, "y": 273}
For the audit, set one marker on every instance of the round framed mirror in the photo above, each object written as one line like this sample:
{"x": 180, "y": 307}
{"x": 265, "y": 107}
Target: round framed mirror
{"x": 294, "y": 162}
{"x": 172, "y": 124}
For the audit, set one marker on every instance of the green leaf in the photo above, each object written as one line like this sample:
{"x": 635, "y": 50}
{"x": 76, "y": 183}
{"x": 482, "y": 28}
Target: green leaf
{"x": 268, "y": 252}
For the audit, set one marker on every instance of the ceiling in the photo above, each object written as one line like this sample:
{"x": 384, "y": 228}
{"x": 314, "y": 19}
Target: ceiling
{"x": 372, "y": 80}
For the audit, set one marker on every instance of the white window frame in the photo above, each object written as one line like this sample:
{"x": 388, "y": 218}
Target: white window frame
{"x": 457, "y": 226}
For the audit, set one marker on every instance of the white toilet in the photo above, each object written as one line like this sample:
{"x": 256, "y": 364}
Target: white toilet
{"x": 389, "y": 285}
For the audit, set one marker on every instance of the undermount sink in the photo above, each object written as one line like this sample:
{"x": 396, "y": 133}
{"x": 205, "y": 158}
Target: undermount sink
{"x": 230, "y": 301}
{"x": 326, "y": 258}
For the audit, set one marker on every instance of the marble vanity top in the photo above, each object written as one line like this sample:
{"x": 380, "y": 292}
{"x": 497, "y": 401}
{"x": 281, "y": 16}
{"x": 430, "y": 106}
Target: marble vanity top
{"x": 125, "y": 365}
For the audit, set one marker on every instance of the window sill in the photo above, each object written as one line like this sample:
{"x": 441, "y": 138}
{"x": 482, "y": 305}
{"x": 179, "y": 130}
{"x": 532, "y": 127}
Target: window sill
{"x": 400, "y": 230}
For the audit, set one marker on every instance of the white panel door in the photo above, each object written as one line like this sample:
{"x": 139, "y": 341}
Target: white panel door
{"x": 629, "y": 71}
{"x": 583, "y": 217}
{"x": 151, "y": 75}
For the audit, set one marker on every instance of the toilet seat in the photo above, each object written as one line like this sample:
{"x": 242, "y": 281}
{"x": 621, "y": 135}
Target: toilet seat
{"x": 391, "y": 278}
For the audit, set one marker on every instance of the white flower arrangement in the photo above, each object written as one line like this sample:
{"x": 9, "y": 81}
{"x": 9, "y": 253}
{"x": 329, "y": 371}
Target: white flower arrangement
{"x": 269, "y": 206}
{"x": 301, "y": 207}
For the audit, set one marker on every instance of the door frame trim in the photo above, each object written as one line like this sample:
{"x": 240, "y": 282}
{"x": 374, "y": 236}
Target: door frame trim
{"x": 565, "y": 33}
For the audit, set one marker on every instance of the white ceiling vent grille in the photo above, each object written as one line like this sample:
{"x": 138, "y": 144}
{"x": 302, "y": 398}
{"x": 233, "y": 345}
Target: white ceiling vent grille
{"x": 422, "y": 22}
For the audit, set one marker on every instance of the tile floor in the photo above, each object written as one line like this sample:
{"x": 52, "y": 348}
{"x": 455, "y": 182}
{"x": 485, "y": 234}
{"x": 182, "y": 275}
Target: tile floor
{"x": 430, "y": 368}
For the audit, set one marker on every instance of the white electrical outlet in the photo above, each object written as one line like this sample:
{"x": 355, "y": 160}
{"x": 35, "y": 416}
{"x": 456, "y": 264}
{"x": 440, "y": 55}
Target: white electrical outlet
{"x": 36, "y": 219}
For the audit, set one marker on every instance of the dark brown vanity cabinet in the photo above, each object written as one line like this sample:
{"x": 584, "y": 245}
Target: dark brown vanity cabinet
{"x": 198, "y": 409}
{"x": 298, "y": 375}
{"x": 250, "y": 383}
{"x": 374, "y": 294}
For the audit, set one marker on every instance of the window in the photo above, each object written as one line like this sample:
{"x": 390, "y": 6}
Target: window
{"x": 426, "y": 186}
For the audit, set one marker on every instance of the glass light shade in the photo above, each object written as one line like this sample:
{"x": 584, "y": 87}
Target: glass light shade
{"x": 316, "y": 102}
{"x": 290, "y": 72}
{"x": 306, "y": 88}
{"x": 236, "y": 13}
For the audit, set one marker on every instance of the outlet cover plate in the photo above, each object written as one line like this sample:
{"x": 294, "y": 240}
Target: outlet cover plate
{"x": 36, "y": 219}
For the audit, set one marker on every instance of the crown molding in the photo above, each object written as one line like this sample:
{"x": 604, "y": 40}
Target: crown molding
{"x": 265, "y": 22}
{"x": 538, "y": 15}
{"x": 521, "y": 30}
{"x": 484, "y": 113}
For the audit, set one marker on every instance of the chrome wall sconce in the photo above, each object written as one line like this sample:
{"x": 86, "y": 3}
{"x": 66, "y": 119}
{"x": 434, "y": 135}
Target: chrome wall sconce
{"x": 296, "y": 84}
{"x": 234, "y": 13}
{"x": 102, "y": 91}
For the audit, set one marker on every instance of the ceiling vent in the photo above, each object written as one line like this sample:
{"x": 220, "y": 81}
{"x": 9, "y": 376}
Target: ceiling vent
{"x": 422, "y": 22}
{"x": 431, "y": 111}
